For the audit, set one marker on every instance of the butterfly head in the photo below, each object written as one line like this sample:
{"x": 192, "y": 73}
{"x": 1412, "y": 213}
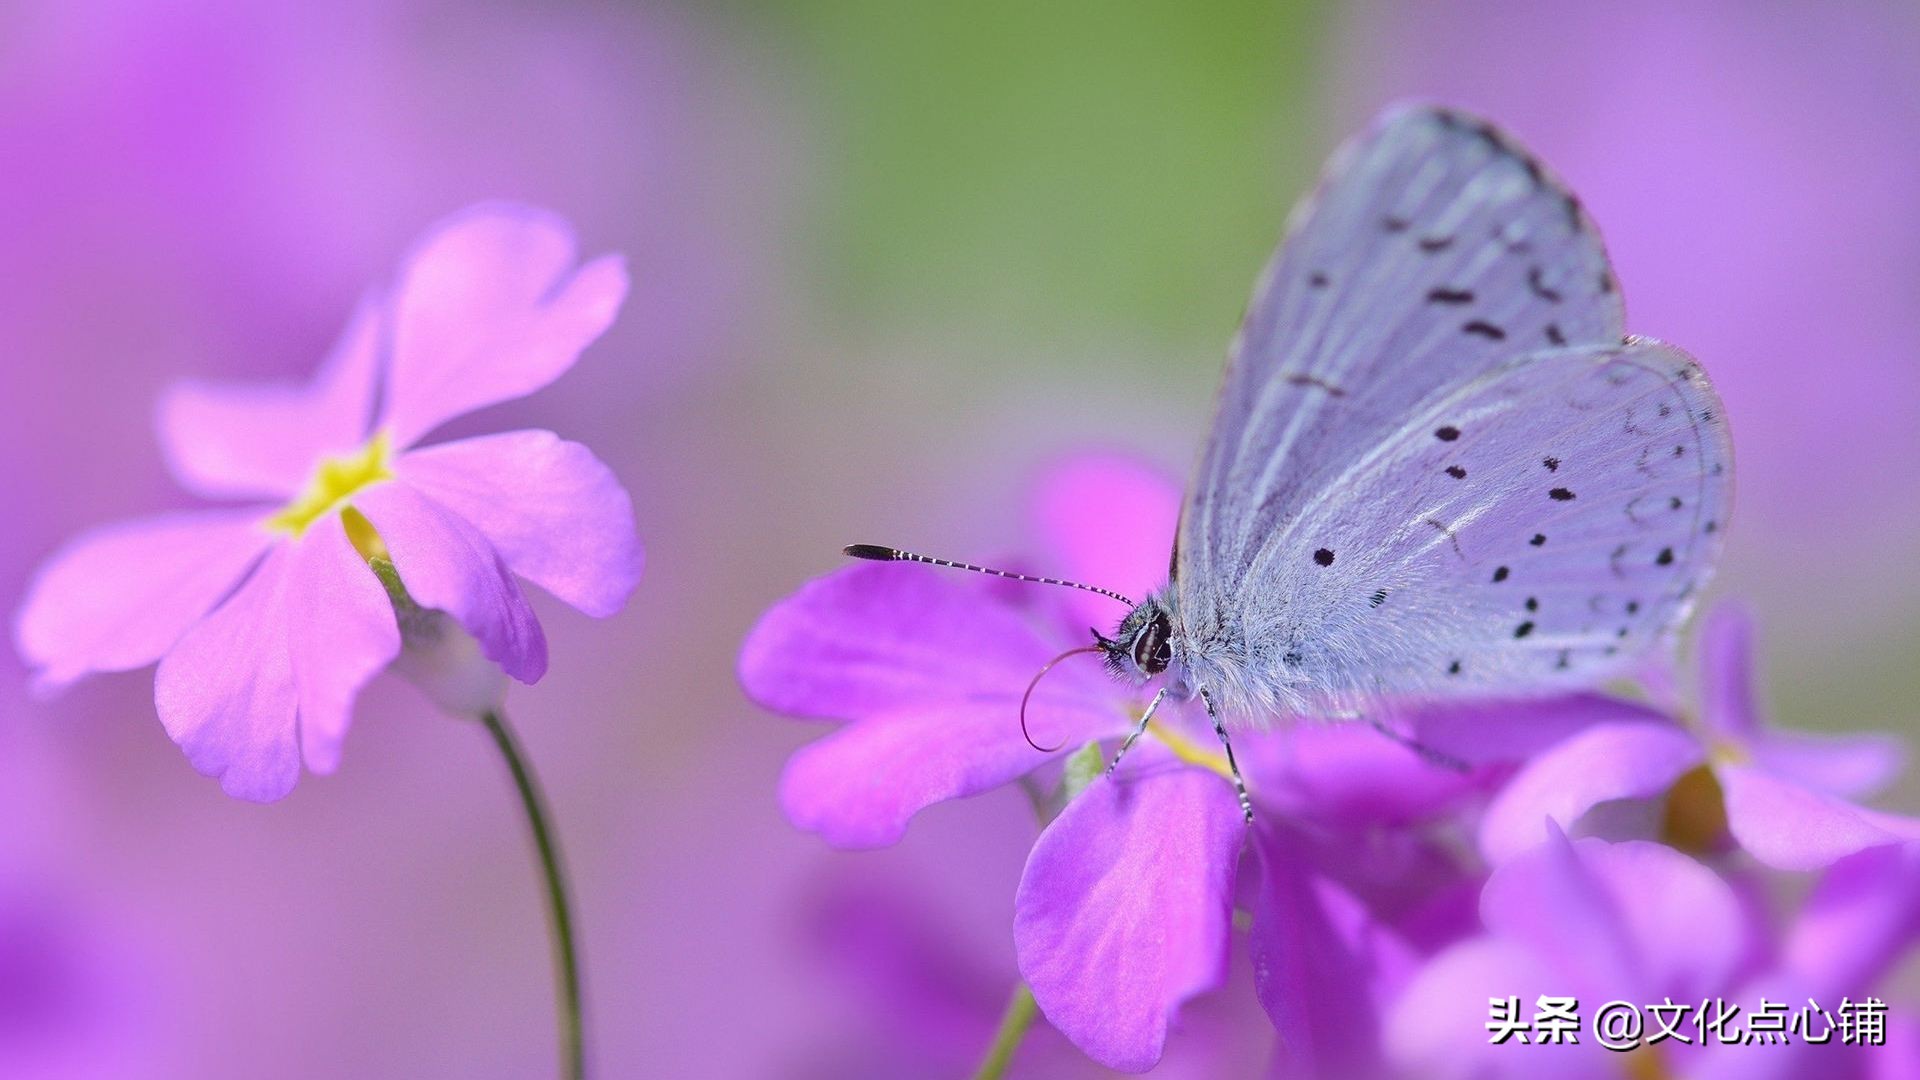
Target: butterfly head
{"x": 1143, "y": 645}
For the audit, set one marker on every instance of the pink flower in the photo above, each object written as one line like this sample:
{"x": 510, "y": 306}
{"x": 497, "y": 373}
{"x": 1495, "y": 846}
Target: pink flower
{"x": 1125, "y": 908}
{"x": 268, "y": 618}
{"x": 1586, "y": 919}
{"x": 1785, "y": 797}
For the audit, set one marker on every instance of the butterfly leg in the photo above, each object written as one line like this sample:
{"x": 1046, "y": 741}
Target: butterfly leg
{"x": 1139, "y": 729}
{"x": 1239, "y": 785}
{"x": 1427, "y": 753}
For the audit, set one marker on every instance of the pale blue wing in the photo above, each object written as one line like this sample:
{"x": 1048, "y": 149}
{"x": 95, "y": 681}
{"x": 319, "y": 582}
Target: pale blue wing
{"x": 1539, "y": 525}
{"x": 1434, "y": 250}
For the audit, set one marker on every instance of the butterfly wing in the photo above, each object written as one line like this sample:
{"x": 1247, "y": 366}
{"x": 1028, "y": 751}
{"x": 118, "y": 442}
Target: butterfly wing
{"x": 1434, "y": 250}
{"x": 1540, "y": 524}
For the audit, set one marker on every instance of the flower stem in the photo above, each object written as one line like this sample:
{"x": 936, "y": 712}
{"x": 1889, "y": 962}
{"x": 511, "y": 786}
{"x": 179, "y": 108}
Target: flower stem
{"x": 566, "y": 965}
{"x": 1013, "y": 1028}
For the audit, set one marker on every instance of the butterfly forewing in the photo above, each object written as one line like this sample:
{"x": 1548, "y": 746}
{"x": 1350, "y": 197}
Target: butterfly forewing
{"x": 1433, "y": 251}
{"x": 1567, "y": 518}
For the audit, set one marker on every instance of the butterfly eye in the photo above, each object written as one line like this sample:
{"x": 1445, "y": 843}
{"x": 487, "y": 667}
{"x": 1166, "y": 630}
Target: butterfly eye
{"x": 1153, "y": 647}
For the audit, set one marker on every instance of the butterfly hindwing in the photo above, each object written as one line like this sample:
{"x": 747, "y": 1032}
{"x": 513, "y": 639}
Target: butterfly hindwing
{"x": 1537, "y": 526}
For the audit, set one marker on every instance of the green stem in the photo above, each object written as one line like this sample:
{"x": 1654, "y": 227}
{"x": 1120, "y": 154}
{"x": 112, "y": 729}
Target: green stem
{"x": 573, "y": 1062}
{"x": 1013, "y": 1028}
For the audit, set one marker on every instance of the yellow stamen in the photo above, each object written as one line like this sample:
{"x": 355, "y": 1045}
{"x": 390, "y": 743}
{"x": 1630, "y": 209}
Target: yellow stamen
{"x": 1186, "y": 750}
{"x": 1695, "y": 818}
{"x": 1646, "y": 1063}
{"x": 362, "y": 535}
{"x": 334, "y": 482}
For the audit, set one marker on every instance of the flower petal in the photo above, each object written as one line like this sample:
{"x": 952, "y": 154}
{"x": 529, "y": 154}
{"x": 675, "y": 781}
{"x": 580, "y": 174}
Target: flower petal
{"x": 932, "y": 671}
{"x": 1609, "y": 761}
{"x": 1726, "y": 658}
{"x": 555, "y": 513}
{"x": 489, "y": 308}
{"x": 1859, "y": 922}
{"x": 446, "y": 564}
{"x": 859, "y": 786}
{"x": 1110, "y": 520}
{"x": 119, "y": 596}
{"x": 1125, "y": 907}
{"x": 227, "y": 439}
{"x": 1790, "y": 827}
{"x": 1438, "y": 1027}
{"x": 1501, "y": 731}
{"x": 885, "y": 639}
{"x": 1635, "y": 920}
{"x": 342, "y": 634}
{"x": 226, "y": 693}
{"x": 1349, "y": 776}
{"x": 1850, "y": 766}
{"x": 1322, "y": 963}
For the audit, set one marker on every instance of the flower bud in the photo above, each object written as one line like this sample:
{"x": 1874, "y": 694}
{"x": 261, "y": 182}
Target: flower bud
{"x": 439, "y": 656}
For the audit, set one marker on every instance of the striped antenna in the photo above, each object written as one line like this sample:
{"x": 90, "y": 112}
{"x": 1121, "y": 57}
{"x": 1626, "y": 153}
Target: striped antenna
{"x": 876, "y": 553}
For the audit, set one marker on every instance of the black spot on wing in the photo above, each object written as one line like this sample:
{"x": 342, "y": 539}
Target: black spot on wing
{"x": 1443, "y": 295}
{"x": 1323, "y": 557}
{"x": 1302, "y": 379}
{"x": 1537, "y": 281}
{"x": 1485, "y": 329}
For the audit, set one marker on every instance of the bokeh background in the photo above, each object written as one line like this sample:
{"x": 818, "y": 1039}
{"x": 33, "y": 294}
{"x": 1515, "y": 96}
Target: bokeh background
{"x": 890, "y": 260}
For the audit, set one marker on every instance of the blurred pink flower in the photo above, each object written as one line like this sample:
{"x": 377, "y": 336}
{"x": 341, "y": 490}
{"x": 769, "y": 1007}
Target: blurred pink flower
{"x": 1635, "y": 921}
{"x": 268, "y": 619}
{"x": 1587, "y": 920}
{"x": 1786, "y": 796}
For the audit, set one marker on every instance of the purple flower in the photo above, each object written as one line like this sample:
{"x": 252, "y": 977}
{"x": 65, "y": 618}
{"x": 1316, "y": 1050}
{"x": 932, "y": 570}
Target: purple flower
{"x": 268, "y": 618}
{"x": 1857, "y": 925}
{"x": 1638, "y": 922}
{"x": 1785, "y": 797}
{"x": 1583, "y": 919}
{"x": 1126, "y": 905}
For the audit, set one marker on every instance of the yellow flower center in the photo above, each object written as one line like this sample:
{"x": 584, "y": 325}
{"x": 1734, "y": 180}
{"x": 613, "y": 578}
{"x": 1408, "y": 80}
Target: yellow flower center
{"x": 335, "y": 481}
{"x": 1695, "y": 817}
{"x": 1190, "y": 752}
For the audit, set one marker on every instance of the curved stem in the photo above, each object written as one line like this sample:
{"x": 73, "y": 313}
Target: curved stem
{"x": 566, "y": 964}
{"x": 1013, "y": 1028}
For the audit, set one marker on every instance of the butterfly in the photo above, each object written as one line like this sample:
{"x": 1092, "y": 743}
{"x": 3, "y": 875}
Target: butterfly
{"x": 1439, "y": 466}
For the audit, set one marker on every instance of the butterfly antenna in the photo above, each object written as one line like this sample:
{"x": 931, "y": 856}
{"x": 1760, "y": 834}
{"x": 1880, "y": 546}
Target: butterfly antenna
{"x": 877, "y": 553}
{"x": 1036, "y": 682}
